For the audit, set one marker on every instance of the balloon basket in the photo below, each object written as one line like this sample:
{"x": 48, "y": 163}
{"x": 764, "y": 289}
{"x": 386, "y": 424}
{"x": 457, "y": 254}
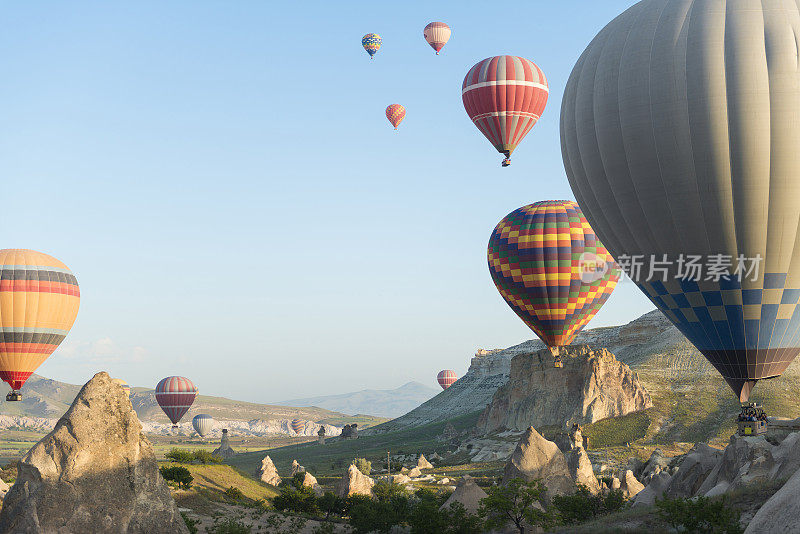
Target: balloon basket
{"x": 558, "y": 363}
{"x": 506, "y": 162}
{"x": 13, "y": 396}
{"x": 752, "y": 420}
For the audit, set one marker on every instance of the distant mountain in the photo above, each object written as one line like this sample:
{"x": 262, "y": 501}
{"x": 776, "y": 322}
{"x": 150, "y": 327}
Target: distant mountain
{"x": 378, "y": 402}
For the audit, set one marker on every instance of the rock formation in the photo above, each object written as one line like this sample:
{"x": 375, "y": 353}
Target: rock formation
{"x": 537, "y": 458}
{"x": 580, "y": 469}
{"x": 468, "y": 493}
{"x": 354, "y": 482}
{"x": 576, "y": 436}
{"x": 692, "y": 471}
{"x": 321, "y": 435}
{"x": 415, "y": 472}
{"x": 422, "y": 463}
{"x": 310, "y": 481}
{"x": 654, "y": 490}
{"x": 350, "y": 431}
{"x": 654, "y": 465}
{"x": 3, "y": 490}
{"x": 591, "y": 386}
{"x": 297, "y": 468}
{"x": 630, "y": 486}
{"x": 267, "y": 472}
{"x": 95, "y": 472}
{"x": 780, "y": 514}
{"x": 224, "y": 450}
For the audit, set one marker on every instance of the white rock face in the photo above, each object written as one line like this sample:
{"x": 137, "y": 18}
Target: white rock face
{"x": 654, "y": 490}
{"x": 267, "y": 473}
{"x": 692, "y": 471}
{"x": 3, "y": 490}
{"x": 422, "y": 463}
{"x": 580, "y": 468}
{"x": 468, "y": 493}
{"x": 780, "y": 514}
{"x": 297, "y": 468}
{"x": 354, "y": 482}
{"x": 310, "y": 481}
{"x": 537, "y": 458}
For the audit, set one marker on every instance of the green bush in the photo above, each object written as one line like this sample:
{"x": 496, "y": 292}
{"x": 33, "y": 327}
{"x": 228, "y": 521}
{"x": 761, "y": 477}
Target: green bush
{"x": 191, "y": 524}
{"x": 515, "y": 502}
{"x": 699, "y": 515}
{"x": 331, "y": 504}
{"x": 363, "y": 465}
{"x": 390, "y": 507}
{"x": 425, "y": 517}
{"x": 180, "y": 455}
{"x": 296, "y": 499}
{"x": 179, "y": 475}
{"x": 205, "y": 457}
{"x": 234, "y": 493}
{"x": 583, "y": 506}
{"x": 230, "y": 526}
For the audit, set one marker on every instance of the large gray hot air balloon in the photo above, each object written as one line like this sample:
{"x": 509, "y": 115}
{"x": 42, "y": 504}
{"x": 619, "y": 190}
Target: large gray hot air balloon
{"x": 202, "y": 424}
{"x": 680, "y": 132}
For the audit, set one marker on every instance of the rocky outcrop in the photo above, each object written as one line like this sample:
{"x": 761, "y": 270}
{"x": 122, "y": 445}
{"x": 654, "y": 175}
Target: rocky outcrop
{"x": 537, "y": 458}
{"x": 297, "y": 468}
{"x": 415, "y": 472}
{"x": 630, "y": 486}
{"x": 267, "y": 473}
{"x": 654, "y": 490}
{"x": 422, "y": 463}
{"x": 95, "y": 472}
{"x": 224, "y": 450}
{"x": 354, "y": 482}
{"x": 592, "y": 385}
{"x": 657, "y": 463}
{"x": 3, "y": 490}
{"x": 780, "y": 514}
{"x": 310, "y": 481}
{"x": 468, "y": 493}
{"x": 580, "y": 469}
{"x": 692, "y": 471}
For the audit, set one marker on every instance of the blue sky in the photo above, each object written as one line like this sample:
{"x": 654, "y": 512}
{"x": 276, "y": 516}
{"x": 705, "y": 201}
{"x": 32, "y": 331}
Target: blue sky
{"x": 222, "y": 180}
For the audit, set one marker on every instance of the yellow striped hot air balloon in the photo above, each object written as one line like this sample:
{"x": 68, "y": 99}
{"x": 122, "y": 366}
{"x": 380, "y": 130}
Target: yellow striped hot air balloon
{"x": 39, "y": 299}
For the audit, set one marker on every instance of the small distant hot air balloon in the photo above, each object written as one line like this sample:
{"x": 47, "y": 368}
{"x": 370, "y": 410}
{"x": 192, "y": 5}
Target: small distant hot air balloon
{"x": 202, "y": 424}
{"x": 124, "y": 385}
{"x": 437, "y": 34}
{"x": 297, "y": 425}
{"x": 446, "y": 378}
{"x": 39, "y": 299}
{"x": 505, "y": 96}
{"x": 175, "y": 395}
{"x": 551, "y": 268}
{"x": 395, "y": 113}
{"x": 371, "y": 43}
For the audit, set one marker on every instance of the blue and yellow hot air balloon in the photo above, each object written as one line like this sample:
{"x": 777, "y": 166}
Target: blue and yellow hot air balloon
{"x": 371, "y": 43}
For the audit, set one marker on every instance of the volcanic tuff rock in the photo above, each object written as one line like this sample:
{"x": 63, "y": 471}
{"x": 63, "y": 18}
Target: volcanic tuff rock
{"x": 354, "y": 482}
{"x": 780, "y": 514}
{"x": 692, "y": 471}
{"x": 310, "y": 481}
{"x": 537, "y": 458}
{"x": 654, "y": 490}
{"x": 3, "y": 490}
{"x": 267, "y": 472}
{"x": 95, "y": 472}
{"x": 468, "y": 493}
{"x": 297, "y": 468}
{"x": 591, "y": 386}
{"x": 224, "y": 450}
{"x": 422, "y": 463}
{"x": 580, "y": 469}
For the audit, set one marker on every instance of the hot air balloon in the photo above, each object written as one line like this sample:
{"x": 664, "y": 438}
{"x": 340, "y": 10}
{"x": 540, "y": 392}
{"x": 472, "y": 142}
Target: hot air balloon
{"x": 446, "y": 378}
{"x": 395, "y": 113}
{"x": 371, "y": 43}
{"x": 175, "y": 395}
{"x": 297, "y": 425}
{"x": 39, "y": 299}
{"x": 124, "y": 385}
{"x": 551, "y": 269}
{"x": 679, "y": 137}
{"x": 437, "y": 34}
{"x": 504, "y": 96}
{"x": 202, "y": 424}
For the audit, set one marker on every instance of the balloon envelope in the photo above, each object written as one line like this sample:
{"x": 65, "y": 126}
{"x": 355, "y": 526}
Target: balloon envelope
{"x": 202, "y": 424}
{"x": 124, "y": 385}
{"x": 371, "y": 43}
{"x": 175, "y": 395}
{"x": 437, "y": 34}
{"x": 446, "y": 378}
{"x": 297, "y": 425}
{"x": 551, "y": 269}
{"x": 504, "y": 96}
{"x": 39, "y": 300}
{"x": 395, "y": 113}
{"x": 679, "y": 137}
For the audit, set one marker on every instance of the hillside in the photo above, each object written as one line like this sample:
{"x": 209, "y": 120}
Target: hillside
{"x": 379, "y": 402}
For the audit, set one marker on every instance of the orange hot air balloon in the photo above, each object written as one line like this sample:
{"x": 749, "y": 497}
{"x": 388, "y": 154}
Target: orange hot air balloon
{"x": 395, "y": 113}
{"x": 39, "y": 299}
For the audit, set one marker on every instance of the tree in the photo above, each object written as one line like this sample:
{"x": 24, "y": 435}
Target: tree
{"x": 390, "y": 507}
{"x": 699, "y": 515}
{"x": 296, "y": 499}
{"x": 516, "y": 502}
{"x": 363, "y": 465}
{"x": 180, "y": 455}
{"x": 582, "y": 505}
{"x": 178, "y": 474}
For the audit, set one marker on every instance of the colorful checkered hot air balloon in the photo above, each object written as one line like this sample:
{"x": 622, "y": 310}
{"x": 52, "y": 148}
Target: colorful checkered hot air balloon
{"x": 437, "y": 34}
{"x": 124, "y": 385}
{"x": 505, "y": 96}
{"x": 297, "y": 425}
{"x": 395, "y": 113}
{"x": 551, "y": 269}
{"x": 371, "y": 43}
{"x": 202, "y": 424}
{"x": 446, "y": 378}
{"x": 175, "y": 395}
{"x": 39, "y": 300}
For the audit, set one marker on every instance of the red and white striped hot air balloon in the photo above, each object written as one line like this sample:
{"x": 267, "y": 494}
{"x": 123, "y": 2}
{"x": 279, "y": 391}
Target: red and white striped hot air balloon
{"x": 446, "y": 378}
{"x": 395, "y": 113}
{"x": 175, "y": 395}
{"x": 437, "y": 34}
{"x": 505, "y": 96}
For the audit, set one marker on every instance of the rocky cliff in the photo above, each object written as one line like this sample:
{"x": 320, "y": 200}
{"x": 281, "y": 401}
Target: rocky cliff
{"x": 591, "y": 385}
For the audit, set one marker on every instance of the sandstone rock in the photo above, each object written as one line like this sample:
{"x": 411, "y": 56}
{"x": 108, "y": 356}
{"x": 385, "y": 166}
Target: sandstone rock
{"x": 692, "y": 471}
{"x": 3, "y": 490}
{"x": 630, "y": 486}
{"x": 780, "y": 514}
{"x": 576, "y": 436}
{"x": 443, "y": 482}
{"x": 591, "y": 386}
{"x": 404, "y": 470}
{"x": 468, "y": 493}
{"x": 658, "y": 462}
{"x": 654, "y": 490}
{"x": 616, "y": 483}
{"x": 435, "y": 457}
{"x": 422, "y": 463}
{"x": 745, "y": 460}
{"x": 267, "y": 472}
{"x": 401, "y": 479}
{"x": 580, "y": 468}
{"x": 354, "y": 482}
{"x": 415, "y": 472}
{"x": 297, "y": 468}
{"x": 224, "y": 450}
{"x": 537, "y": 458}
{"x": 310, "y": 481}
{"x": 95, "y": 472}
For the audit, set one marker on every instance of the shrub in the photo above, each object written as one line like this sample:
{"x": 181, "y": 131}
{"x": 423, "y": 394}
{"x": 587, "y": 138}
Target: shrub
{"x": 230, "y": 526}
{"x": 583, "y": 505}
{"x": 363, "y": 465}
{"x": 390, "y": 507}
{"x": 294, "y": 499}
{"x": 180, "y": 455}
{"x": 234, "y": 493}
{"x": 205, "y": 457}
{"x": 516, "y": 501}
{"x": 699, "y": 515}
{"x": 191, "y": 524}
{"x": 179, "y": 475}
{"x": 332, "y": 504}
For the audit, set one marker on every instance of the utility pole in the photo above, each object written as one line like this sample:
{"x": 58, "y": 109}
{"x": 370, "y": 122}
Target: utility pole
{"x": 388, "y": 464}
